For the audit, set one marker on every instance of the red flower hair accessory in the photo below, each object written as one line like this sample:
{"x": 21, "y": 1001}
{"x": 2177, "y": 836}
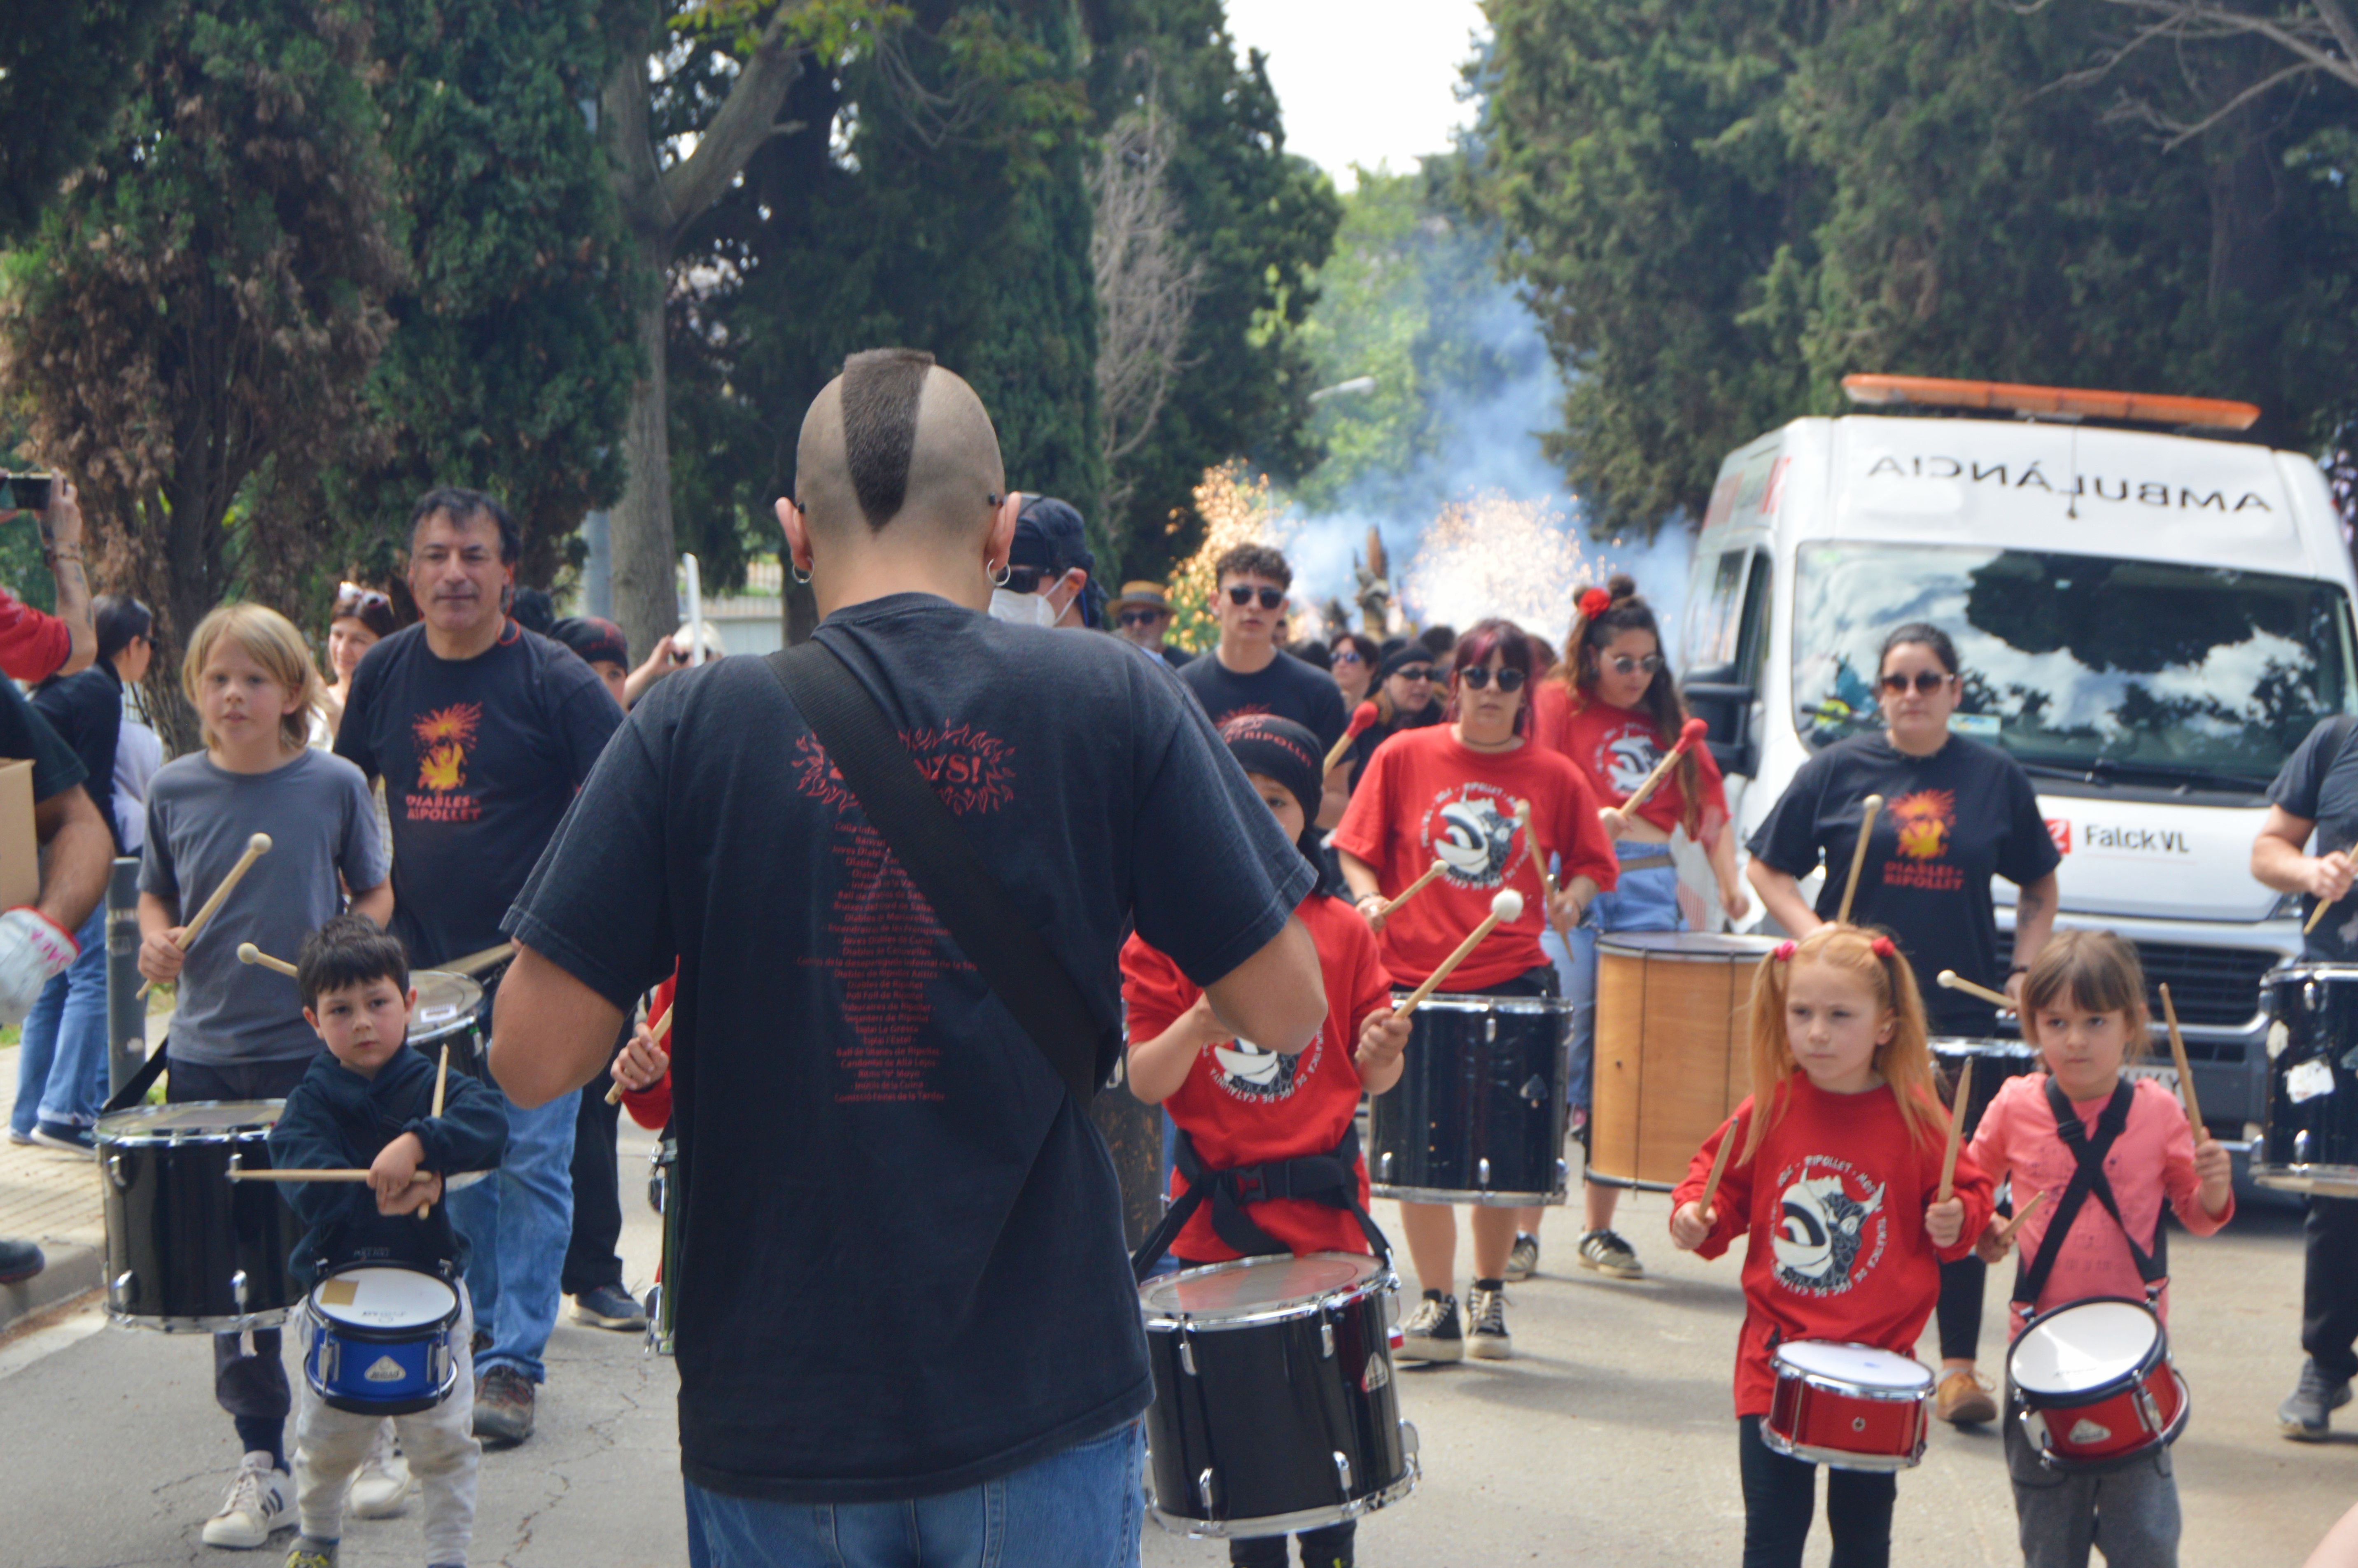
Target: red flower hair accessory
{"x": 1882, "y": 947}
{"x": 1594, "y": 603}
{"x": 1783, "y": 952}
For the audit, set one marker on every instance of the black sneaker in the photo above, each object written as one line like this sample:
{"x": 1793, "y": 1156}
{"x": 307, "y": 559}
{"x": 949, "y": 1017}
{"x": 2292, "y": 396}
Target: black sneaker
{"x": 1523, "y": 1261}
{"x": 19, "y": 1262}
{"x": 609, "y": 1306}
{"x": 504, "y": 1401}
{"x": 2303, "y": 1416}
{"x": 1486, "y": 1312}
{"x": 1432, "y": 1334}
{"x": 65, "y": 1135}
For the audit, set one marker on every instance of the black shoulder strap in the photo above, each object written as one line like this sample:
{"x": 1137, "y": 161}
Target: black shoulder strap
{"x": 2088, "y": 1180}
{"x": 136, "y": 1087}
{"x": 1012, "y": 958}
{"x": 1332, "y": 1178}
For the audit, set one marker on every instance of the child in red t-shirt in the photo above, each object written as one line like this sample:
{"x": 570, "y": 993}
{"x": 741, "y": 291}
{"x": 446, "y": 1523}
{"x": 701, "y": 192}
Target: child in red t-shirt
{"x": 1836, "y": 1188}
{"x": 1236, "y": 1105}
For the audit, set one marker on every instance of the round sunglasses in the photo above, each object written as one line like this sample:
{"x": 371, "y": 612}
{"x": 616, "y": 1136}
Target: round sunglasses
{"x": 1478, "y": 676}
{"x": 1926, "y": 681}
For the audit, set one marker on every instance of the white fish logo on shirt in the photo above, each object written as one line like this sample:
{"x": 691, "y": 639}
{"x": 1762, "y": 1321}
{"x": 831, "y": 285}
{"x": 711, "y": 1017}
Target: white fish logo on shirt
{"x": 1249, "y": 1072}
{"x": 1476, "y": 841}
{"x": 1821, "y": 1230}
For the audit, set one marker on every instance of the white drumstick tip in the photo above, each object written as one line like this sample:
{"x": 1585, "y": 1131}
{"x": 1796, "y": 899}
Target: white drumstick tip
{"x": 1507, "y": 905}
{"x": 259, "y": 843}
{"x": 247, "y": 953}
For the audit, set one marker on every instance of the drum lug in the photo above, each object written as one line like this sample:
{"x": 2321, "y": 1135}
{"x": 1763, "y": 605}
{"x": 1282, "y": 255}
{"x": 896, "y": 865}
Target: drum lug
{"x": 1490, "y": 1028}
{"x": 2148, "y": 1411}
{"x": 1563, "y": 1174}
{"x": 120, "y": 1290}
{"x": 1204, "y": 1493}
{"x": 1536, "y": 1090}
{"x": 1482, "y": 1170}
{"x": 1343, "y": 1472}
{"x": 237, "y": 1288}
{"x": 1384, "y": 1164}
{"x": 1188, "y": 1365}
{"x": 115, "y": 1173}
{"x": 1327, "y": 1341}
{"x": 1410, "y": 1443}
{"x": 2300, "y": 1147}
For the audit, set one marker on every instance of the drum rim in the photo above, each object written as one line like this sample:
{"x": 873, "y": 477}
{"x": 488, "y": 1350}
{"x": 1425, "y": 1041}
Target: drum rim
{"x": 2292, "y": 1177}
{"x": 1843, "y": 1458}
{"x": 232, "y": 1323}
{"x": 1978, "y": 1046}
{"x": 1478, "y": 1197}
{"x": 130, "y": 1115}
{"x": 463, "y": 1024}
{"x": 2157, "y": 1353}
{"x": 344, "y": 1329}
{"x": 1483, "y": 1002}
{"x": 2163, "y": 1439}
{"x": 2308, "y": 969}
{"x": 1412, "y": 1471}
{"x": 1172, "y": 1320}
{"x": 1835, "y": 1383}
{"x": 1631, "y": 942}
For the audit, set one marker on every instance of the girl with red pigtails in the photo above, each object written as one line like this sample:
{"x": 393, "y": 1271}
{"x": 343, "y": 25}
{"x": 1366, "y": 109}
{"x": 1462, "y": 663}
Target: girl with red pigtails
{"x": 1834, "y": 1189}
{"x": 1612, "y": 707}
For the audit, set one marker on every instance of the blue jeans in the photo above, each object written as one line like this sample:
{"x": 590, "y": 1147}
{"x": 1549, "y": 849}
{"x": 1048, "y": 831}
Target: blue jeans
{"x": 1081, "y": 1508}
{"x": 517, "y": 1222}
{"x": 61, "y": 1065}
{"x": 1641, "y": 901}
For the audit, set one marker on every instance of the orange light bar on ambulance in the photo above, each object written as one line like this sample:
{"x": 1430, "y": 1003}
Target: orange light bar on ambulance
{"x": 2144, "y": 408}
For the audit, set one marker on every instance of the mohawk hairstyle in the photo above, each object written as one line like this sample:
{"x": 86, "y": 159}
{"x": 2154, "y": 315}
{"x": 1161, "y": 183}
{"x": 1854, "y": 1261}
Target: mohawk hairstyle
{"x": 881, "y": 389}
{"x": 349, "y": 951}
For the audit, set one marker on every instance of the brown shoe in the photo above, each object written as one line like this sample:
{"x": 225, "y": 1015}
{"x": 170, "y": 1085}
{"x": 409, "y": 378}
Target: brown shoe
{"x": 1963, "y": 1400}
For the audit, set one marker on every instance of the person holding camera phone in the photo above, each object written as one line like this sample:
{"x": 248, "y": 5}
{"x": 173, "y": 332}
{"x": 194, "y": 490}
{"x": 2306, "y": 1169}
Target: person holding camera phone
{"x": 35, "y": 645}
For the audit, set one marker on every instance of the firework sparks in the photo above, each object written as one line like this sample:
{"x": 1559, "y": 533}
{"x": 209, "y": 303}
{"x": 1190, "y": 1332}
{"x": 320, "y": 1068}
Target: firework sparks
{"x": 1237, "y": 508}
{"x": 1493, "y": 555}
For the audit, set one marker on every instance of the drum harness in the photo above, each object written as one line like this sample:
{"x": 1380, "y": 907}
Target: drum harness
{"x": 1332, "y": 1178}
{"x": 2088, "y": 1155}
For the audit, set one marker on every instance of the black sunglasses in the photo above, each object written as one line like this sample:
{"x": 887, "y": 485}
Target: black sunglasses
{"x": 1479, "y": 675}
{"x": 1897, "y": 682}
{"x": 1141, "y": 617}
{"x": 1416, "y": 672}
{"x": 1346, "y": 657}
{"x": 1027, "y": 579}
{"x": 1242, "y": 594}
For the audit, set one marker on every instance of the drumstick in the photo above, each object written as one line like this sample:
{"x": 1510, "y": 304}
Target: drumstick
{"x": 662, "y": 1028}
{"x": 1531, "y": 838}
{"x": 1867, "y": 808}
{"x": 1413, "y": 888}
{"x": 1953, "y": 981}
{"x": 1956, "y": 1126}
{"x": 2185, "y": 1073}
{"x": 2317, "y": 915}
{"x": 1507, "y": 905}
{"x": 1694, "y": 730}
{"x": 325, "y": 1174}
{"x": 442, "y": 1080}
{"x": 247, "y": 953}
{"x": 1719, "y": 1167}
{"x": 2006, "y": 1232}
{"x": 473, "y": 962}
{"x": 255, "y": 848}
{"x": 1363, "y": 718}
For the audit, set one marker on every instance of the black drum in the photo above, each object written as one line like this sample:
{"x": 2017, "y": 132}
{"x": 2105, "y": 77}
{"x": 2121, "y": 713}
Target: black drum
{"x": 1994, "y": 1061}
{"x": 1478, "y": 1114}
{"x": 663, "y": 1191}
{"x": 187, "y": 1249}
{"x": 2311, "y": 1141}
{"x": 446, "y": 1014}
{"x": 1275, "y": 1406}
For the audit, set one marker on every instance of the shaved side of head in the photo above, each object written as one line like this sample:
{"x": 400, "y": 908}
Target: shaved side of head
{"x": 896, "y": 438}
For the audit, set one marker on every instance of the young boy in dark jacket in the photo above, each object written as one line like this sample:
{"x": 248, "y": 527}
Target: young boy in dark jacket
{"x": 369, "y": 1103}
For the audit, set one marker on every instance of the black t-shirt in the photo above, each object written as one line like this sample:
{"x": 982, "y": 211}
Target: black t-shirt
{"x": 869, "y": 1145}
{"x": 1177, "y": 658}
{"x": 1949, "y": 822}
{"x": 86, "y": 710}
{"x": 26, "y": 736}
{"x": 1363, "y": 747}
{"x": 2319, "y": 783}
{"x": 1286, "y": 687}
{"x": 480, "y": 757}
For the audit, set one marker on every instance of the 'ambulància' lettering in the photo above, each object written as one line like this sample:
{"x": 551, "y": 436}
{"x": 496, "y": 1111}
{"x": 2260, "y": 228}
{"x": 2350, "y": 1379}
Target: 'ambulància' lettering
{"x": 2033, "y": 476}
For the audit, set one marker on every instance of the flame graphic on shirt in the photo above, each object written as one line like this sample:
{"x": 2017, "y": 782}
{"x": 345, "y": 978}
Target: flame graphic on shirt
{"x": 443, "y": 737}
{"x": 1925, "y": 820}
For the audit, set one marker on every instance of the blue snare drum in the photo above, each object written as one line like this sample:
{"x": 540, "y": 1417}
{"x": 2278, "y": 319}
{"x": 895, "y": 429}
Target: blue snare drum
{"x": 380, "y": 1340}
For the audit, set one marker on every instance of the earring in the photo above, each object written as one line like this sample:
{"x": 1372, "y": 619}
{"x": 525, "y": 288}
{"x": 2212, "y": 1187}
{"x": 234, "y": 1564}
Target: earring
{"x": 802, "y": 576}
{"x": 1001, "y": 577}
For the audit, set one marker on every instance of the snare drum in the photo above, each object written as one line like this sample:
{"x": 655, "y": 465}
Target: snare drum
{"x": 2311, "y": 1141}
{"x": 379, "y": 1340}
{"x": 446, "y": 1013}
{"x": 663, "y": 1190}
{"x": 1849, "y": 1406}
{"x": 1994, "y": 1061}
{"x": 187, "y": 1249}
{"x": 1274, "y": 1405}
{"x": 1479, "y": 1113}
{"x": 1672, "y": 1059}
{"x": 2096, "y": 1383}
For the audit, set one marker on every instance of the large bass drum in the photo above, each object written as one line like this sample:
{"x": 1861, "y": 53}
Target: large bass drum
{"x": 187, "y": 1249}
{"x": 2311, "y": 1140}
{"x": 1479, "y": 1113}
{"x": 1673, "y": 1060}
{"x": 1275, "y": 1406}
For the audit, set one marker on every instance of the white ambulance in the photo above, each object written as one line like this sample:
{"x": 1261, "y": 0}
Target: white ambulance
{"x": 2150, "y": 621}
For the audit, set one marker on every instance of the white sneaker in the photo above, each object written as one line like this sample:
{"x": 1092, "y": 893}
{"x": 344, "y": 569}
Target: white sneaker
{"x": 255, "y": 1508}
{"x": 383, "y": 1485}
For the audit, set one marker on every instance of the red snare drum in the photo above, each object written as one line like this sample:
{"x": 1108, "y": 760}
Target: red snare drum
{"x": 2097, "y": 1384}
{"x": 1849, "y": 1406}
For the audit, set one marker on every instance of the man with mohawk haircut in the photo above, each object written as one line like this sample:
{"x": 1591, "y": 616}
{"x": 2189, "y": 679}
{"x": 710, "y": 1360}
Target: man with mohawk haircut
{"x": 905, "y": 1326}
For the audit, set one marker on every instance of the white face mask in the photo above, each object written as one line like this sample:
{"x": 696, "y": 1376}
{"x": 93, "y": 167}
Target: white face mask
{"x": 1022, "y": 609}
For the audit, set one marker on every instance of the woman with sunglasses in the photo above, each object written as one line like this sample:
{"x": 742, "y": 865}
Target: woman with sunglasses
{"x": 1956, "y": 814}
{"x": 1352, "y": 661}
{"x": 1450, "y": 794}
{"x": 1407, "y": 685}
{"x": 1613, "y": 709}
{"x": 362, "y": 618}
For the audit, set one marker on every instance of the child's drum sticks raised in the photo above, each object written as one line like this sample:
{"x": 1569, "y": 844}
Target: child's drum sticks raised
{"x": 1507, "y": 905}
{"x": 255, "y": 848}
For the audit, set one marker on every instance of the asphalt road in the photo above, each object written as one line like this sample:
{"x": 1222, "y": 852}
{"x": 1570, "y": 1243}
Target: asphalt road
{"x": 1607, "y": 1439}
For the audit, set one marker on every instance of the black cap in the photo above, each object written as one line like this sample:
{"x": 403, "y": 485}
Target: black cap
{"x": 594, "y": 638}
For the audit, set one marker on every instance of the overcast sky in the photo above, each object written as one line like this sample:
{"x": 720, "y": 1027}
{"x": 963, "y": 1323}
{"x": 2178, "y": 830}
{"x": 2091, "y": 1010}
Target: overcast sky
{"x": 1364, "y": 81}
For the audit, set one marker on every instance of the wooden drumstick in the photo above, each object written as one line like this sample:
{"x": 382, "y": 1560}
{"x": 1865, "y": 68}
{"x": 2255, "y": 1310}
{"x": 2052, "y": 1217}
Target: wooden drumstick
{"x": 1363, "y": 718}
{"x": 2185, "y": 1072}
{"x": 1531, "y": 838}
{"x": 324, "y": 1174}
{"x": 1867, "y": 810}
{"x": 1951, "y": 980}
{"x": 1718, "y": 1168}
{"x": 475, "y": 962}
{"x": 255, "y": 848}
{"x": 1956, "y": 1128}
{"x": 2315, "y": 915}
{"x": 441, "y": 1081}
{"x": 1413, "y": 888}
{"x": 1693, "y": 730}
{"x": 2006, "y": 1232}
{"x": 247, "y": 953}
{"x": 1507, "y": 905}
{"x": 662, "y": 1028}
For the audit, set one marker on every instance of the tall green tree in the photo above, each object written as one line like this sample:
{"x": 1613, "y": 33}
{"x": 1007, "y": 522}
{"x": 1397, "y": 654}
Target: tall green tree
{"x": 212, "y": 299}
{"x": 63, "y": 71}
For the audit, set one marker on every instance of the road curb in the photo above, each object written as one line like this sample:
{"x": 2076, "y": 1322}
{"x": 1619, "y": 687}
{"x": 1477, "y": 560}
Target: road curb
{"x": 72, "y": 1271}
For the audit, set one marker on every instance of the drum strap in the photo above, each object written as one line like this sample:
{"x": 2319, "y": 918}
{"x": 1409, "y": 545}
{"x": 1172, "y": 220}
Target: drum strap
{"x": 2088, "y": 1180}
{"x": 136, "y": 1088}
{"x": 1331, "y": 1178}
{"x": 1014, "y": 960}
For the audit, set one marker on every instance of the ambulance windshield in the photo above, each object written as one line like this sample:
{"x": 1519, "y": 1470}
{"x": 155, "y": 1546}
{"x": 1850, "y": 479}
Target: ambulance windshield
{"x": 2137, "y": 671}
